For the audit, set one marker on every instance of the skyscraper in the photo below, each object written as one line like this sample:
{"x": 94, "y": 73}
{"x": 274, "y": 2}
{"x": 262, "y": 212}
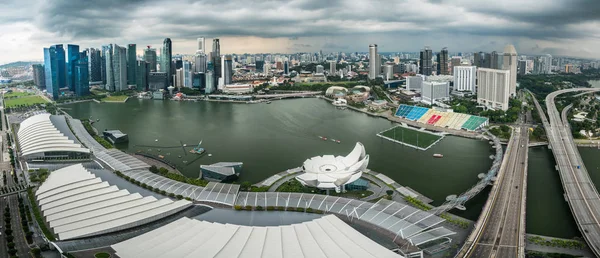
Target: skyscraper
{"x": 216, "y": 60}
{"x": 510, "y": 64}
{"x": 493, "y": 64}
{"x": 201, "y": 45}
{"x": 131, "y": 64}
{"x": 373, "y": 62}
{"x": 493, "y": 89}
{"x": 442, "y": 65}
{"x": 200, "y": 62}
{"x": 166, "y": 57}
{"x": 286, "y": 67}
{"x": 104, "y": 65}
{"x": 478, "y": 59}
{"x": 150, "y": 58}
{"x": 39, "y": 78}
{"x": 187, "y": 74}
{"x": 522, "y": 67}
{"x": 227, "y": 69}
{"x": 332, "y": 69}
{"x": 425, "y": 61}
{"x": 81, "y": 74}
{"x": 95, "y": 62}
{"x": 260, "y": 66}
{"x": 210, "y": 83}
{"x": 116, "y": 68}
{"x": 56, "y": 70}
{"x": 73, "y": 55}
{"x": 141, "y": 76}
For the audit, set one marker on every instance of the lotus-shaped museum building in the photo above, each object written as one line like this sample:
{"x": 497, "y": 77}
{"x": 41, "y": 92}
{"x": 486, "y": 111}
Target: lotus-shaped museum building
{"x": 331, "y": 172}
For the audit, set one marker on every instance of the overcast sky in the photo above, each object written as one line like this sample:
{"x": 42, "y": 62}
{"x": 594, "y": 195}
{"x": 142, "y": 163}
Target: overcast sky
{"x": 557, "y": 27}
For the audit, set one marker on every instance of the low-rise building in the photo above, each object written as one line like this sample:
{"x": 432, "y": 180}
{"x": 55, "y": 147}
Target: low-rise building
{"x": 238, "y": 88}
{"x": 115, "y": 136}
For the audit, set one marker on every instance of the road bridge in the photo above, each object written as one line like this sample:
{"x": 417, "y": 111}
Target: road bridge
{"x": 580, "y": 192}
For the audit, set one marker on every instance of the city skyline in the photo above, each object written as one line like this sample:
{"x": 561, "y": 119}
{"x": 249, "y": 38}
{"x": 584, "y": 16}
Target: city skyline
{"x": 562, "y": 28}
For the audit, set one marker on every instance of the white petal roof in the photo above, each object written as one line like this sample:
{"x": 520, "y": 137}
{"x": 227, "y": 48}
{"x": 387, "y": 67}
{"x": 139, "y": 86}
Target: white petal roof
{"x": 329, "y": 171}
{"x": 327, "y": 236}
{"x": 77, "y": 204}
{"x": 38, "y": 134}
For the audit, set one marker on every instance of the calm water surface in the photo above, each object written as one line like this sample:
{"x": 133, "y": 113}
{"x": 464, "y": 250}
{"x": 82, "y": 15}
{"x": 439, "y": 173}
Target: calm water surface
{"x": 270, "y": 138}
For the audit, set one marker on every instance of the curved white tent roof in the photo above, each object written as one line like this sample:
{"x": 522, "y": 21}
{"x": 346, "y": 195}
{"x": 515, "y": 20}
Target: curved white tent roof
{"x": 77, "y": 204}
{"x": 324, "y": 237}
{"x": 329, "y": 171}
{"x": 39, "y": 134}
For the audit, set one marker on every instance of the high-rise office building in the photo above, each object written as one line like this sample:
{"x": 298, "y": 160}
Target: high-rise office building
{"x": 39, "y": 78}
{"x": 260, "y": 66}
{"x": 434, "y": 91}
{"x": 227, "y": 69}
{"x": 166, "y": 58}
{"x": 72, "y": 56}
{"x": 522, "y": 67}
{"x": 187, "y": 74}
{"x": 216, "y": 60}
{"x": 131, "y": 64}
{"x": 201, "y": 45}
{"x": 150, "y": 58}
{"x": 55, "y": 70}
{"x": 425, "y": 61}
{"x": 510, "y": 64}
{"x": 81, "y": 75}
{"x": 104, "y": 65}
{"x": 95, "y": 61}
{"x": 494, "y": 57}
{"x": 142, "y": 71}
{"x": 373, "y": 62}
{"x": 332, "y": 69}
{"x": 116, "y": 68}
{"x": 286, "y": 67}
{"x": 200, "y": 62}
{"x": 442, "y": 59}
{"x": 464, "y": 78}
{"x": 209, "y": 85}
{"x": 157, "y": 81}
{"x": 388, "y": 71}
{"x": 493, "y": 88}
{"x": 479, "y": 59}
{"x": 320, "y": 69}
{"x": 198, "y": 80}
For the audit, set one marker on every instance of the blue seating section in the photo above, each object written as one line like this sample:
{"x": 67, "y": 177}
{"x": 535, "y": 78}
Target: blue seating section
{"x": 403, "y": 110}
{"x": 416, "y": 113}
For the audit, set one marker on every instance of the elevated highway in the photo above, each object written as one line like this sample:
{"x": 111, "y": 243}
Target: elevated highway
{"x": 580, "y": 192}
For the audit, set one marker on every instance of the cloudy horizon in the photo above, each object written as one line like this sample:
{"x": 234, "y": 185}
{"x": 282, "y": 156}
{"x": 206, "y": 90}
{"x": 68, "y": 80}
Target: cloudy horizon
{"x": 557, "y": 27}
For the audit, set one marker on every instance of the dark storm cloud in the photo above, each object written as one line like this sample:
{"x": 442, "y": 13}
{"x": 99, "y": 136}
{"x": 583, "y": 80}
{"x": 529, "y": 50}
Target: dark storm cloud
{"x": 187, "y": 19}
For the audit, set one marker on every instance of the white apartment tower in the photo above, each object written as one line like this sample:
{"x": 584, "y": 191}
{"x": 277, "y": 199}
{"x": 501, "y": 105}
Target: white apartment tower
{"x": 464, "y": 78}
{"x": 373, "y": 61}
{"x": 201, "y": 45}
{"x": 493, "y": 89}
{"x": 510, "y": 63}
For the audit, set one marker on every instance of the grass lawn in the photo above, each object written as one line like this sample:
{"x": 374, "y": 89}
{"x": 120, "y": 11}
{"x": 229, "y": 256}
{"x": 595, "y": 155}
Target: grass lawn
{"x": 16, "y": 94}
{"x": 410, "y": 136}
{"x": 102, "y": 255}
{"x": 29, "y": 100}
{"x": 119, "y": 98}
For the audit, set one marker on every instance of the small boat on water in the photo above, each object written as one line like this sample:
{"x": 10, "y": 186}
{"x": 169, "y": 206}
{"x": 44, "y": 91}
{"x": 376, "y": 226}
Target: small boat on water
{"x": 210, "y": 155}
{"x": 97, "y": 120}
{"x": 268, "y": 102}
{"x": 323, "y": 138}
{"x": 198, "y": 150}
{"x": 156, "y": 140}
{"x": 161, "y": 156}
{"x": 437, "y": 155}
{"x": 179, "y": 156}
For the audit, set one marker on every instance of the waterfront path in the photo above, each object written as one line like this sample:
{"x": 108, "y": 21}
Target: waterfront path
{"x": 579, "y": 252}
{"x": 274, "y": 181}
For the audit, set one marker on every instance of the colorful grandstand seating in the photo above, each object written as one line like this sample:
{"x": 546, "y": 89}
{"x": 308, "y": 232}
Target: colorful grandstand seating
{"x": 439, "y": 118}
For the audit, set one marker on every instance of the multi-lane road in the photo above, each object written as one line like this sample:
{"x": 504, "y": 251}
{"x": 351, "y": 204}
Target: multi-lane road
{"x": 580, "y": 191}
{"x": 501, "y": 229}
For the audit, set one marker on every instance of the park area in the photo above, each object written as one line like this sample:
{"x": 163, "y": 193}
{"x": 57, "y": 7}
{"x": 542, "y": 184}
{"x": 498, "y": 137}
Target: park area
{"x": 411, "y": 137}
{"x": 15, "y": 94}
{"x": 117, "y": 98}
{"x": 23, "y": 101}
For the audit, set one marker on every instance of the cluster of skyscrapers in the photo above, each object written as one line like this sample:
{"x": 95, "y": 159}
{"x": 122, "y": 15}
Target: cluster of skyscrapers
{"x": 64, "y": 72}
{"x": 118, "y": 68}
